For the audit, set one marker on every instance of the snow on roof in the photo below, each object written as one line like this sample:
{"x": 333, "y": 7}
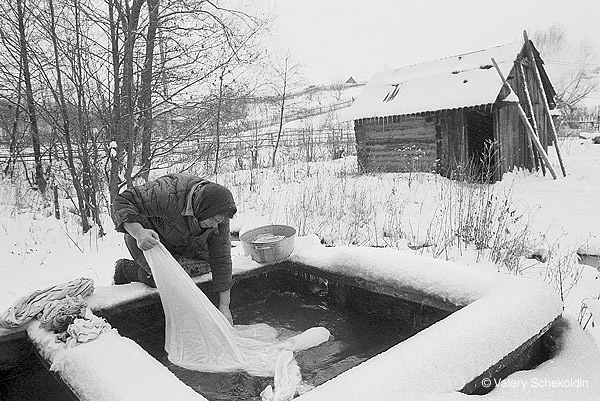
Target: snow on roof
{"x": 464, "y": 80}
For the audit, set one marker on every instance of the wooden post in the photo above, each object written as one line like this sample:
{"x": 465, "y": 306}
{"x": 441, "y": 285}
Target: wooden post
{"x": 531, "y": 111}
{"x": 545, "y": 100}
{"x": 528, "y": 127}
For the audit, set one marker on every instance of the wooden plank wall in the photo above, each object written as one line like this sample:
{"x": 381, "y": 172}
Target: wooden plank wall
{"x": 512, "y": 138}
{"x": 455, "y": 141}
{"x": 541, "y": 117}
{"x": 398, "y": 144}
{"x": 522, "y": 153}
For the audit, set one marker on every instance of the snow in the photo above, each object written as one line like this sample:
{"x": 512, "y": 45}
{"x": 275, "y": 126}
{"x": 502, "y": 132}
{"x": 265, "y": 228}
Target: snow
{"x": 458, "y": 81}
{"x": 571, "y": 375}
{"x": 451, "y": 282}
{"x": 110, "y": 368}
{"x": 501, "y": 311}
{"x": 447, "y": 355}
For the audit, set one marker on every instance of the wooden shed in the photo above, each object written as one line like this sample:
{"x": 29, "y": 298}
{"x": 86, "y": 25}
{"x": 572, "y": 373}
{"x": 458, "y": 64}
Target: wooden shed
{"x": 486, "y": 112}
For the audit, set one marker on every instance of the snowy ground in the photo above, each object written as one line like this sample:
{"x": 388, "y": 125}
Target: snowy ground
{"x": 37, "y": 250}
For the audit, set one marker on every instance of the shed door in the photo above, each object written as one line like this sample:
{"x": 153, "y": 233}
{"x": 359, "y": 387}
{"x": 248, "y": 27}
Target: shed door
{"x": 480, "y": 136}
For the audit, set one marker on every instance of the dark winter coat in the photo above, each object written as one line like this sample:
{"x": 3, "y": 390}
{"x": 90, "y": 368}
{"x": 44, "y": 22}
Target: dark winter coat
{"x": 166, "y": 206}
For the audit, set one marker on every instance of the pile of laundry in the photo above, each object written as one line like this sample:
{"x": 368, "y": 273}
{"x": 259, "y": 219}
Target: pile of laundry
{"x": 61, "y": 309}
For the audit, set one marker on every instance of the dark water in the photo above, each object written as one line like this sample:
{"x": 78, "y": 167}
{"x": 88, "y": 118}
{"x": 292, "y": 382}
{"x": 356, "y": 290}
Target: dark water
{"x": 354, "y": 338}
{"x": 31, "y": 381}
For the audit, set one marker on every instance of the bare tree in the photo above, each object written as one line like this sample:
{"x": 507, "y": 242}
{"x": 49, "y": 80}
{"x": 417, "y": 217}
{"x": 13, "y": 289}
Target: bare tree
{"x": 11, "y": 85}
{"x": 135, "y": 77}
{"x": 571, "y": 66}
{"x": 12, "y": 129}
{"x": 338, "y": 85}
{"x": 197, "y": 41}
{"x": 66, "y": 124}
{"x": 146, "y": 81}
{"x": 40, "y": 180}
{"x": 287, "y": 75}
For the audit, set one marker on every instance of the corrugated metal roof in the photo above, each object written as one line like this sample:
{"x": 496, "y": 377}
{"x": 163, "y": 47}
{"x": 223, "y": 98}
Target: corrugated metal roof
{"x": 464, "y": 80}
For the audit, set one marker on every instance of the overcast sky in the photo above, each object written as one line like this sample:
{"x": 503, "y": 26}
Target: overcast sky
{"x": 336, "y": 39}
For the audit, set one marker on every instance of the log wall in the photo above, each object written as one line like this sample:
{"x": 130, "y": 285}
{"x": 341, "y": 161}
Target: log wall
{"x": 399, "y": 144}
{"x": 434, "y": 142}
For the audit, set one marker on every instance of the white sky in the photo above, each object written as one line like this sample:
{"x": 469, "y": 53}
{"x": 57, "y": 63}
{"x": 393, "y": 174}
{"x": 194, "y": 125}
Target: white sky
{"x": 335, "y": 39}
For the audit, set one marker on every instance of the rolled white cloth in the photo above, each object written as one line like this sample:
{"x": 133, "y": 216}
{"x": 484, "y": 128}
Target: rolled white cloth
{"x": 29, "y": 306}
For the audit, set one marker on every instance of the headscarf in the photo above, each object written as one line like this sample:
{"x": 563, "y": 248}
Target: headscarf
{"x": 212, "y": 199}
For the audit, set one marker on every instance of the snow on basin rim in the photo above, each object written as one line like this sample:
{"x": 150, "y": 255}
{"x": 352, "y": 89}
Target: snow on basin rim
{"x": 501, "y": 314}
{"x": 110, "y": 368}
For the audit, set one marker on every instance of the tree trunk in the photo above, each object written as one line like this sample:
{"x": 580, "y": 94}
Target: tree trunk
{"x": 130, "y": 21}
{"x": 285, "y": 72}
{"x": 35, "y": 135}
{"x": 90, "y": 178}
{"x": 217, "y": 125}
{"x": 145, "y": 101}
{"x": 116, "y": 146}
{"x": 12, "y": 149}
{"x": 66, "y": 126}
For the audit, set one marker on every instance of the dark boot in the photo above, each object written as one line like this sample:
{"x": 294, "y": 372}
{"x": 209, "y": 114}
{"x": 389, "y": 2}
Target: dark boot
{"x": 126, "y": 271}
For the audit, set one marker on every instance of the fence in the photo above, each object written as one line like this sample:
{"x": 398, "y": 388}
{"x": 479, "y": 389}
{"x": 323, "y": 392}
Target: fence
{"x": 300, "y": 114}
{"x": 252, "y": 150}
{"x": 243, "y": 151}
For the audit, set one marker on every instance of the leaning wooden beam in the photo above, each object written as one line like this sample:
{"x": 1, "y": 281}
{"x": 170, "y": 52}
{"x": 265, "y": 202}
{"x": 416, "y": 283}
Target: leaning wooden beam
{"x": 532, "y": 152}
{"x": 536, "y": 72}
{"x": 528, "y": 127}
{"x": 536, "y": 140}
{"x": 530, "y": 107}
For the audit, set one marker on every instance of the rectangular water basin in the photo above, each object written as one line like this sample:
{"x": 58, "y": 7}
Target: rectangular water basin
{"x": 293, "y": 298}
{"x": 365, "y": 318}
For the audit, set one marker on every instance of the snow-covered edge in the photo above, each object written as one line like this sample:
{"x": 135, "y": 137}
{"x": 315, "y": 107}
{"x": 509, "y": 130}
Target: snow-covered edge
{"x": 449, "y": 354}
{"x": 109, "y": 368}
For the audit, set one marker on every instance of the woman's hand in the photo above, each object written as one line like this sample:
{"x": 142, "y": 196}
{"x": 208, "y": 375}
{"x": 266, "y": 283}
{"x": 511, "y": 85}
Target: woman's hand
{"x": 144, "y": 237}
{"x": 224, "y": 309}
{"x": 147, "y": 239}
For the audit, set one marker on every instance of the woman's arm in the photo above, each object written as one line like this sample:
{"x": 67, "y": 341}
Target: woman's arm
{"x": 224, "y": 299}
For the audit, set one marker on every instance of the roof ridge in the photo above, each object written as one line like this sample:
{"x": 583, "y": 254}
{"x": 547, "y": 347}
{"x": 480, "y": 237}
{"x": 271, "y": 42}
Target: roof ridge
{"x": 455, "y": 55}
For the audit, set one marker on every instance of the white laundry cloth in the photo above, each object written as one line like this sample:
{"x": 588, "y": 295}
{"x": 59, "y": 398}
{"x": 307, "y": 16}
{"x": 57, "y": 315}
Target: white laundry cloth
{"x": 287, "y": 379}
{"x": 199, "y": 337}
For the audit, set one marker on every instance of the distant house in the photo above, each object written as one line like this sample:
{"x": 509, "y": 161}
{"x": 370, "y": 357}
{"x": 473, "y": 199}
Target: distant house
{"x": 350, "y": 81}
{"x": 455, "y": 112}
